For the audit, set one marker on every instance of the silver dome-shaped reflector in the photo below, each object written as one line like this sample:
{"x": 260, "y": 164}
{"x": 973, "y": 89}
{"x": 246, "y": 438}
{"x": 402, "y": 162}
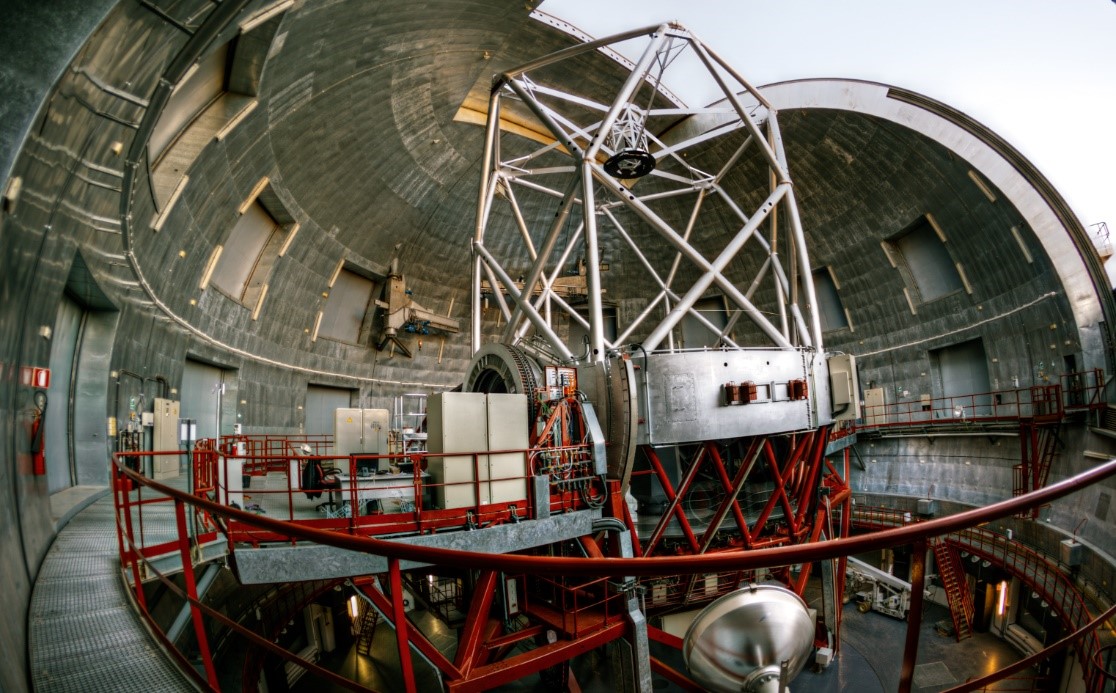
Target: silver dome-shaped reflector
{"x": 739, "y": 641}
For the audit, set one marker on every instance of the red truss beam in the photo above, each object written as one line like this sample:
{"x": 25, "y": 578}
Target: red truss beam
{"x": 471, "y": 642}
{"x": 515, "y": 668}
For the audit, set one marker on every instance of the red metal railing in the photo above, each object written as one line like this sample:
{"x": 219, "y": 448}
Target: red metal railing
{"x": 1049, "y": 400}
{"x": 129, "y": 488}
{"x": 407, "y": 500}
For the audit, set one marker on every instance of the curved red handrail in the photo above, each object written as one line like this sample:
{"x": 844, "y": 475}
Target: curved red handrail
{"x": 654, "y": 565}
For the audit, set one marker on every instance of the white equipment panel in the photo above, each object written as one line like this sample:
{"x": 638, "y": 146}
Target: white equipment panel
{"x": 164, "y": 436}
{"x": 476, "y": 422}
{"x": 360, "y": 431}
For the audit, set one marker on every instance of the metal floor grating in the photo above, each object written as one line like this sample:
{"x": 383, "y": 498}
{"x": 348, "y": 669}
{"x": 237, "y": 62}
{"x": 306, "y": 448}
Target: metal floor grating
{"x": 83, "y": 632}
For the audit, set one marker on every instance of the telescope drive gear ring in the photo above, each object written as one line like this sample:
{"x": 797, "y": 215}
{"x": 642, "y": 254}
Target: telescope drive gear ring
{"x": 498, "y": 368}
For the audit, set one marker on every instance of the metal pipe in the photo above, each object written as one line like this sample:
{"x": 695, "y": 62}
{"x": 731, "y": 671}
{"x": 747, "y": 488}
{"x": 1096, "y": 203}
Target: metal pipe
{"x": 592, "y": 264}
{"x": 484, "y": 207}
{"x": 499, "y": 295}
{"x": 666, "y": 292}
{"x": 732, "y": 98}
{"x": 548, "y": 282}
{"x": 799, "y": 241}
{"x": 520, "y": 222}
{"x": 630, "y": 84}
{"x": 582, "y": 48}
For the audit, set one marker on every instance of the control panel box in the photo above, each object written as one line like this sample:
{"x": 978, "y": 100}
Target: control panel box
{"x": 361, "y": 432}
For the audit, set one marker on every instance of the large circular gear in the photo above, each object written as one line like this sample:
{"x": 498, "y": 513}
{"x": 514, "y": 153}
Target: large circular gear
{"x": 497, "y": 368}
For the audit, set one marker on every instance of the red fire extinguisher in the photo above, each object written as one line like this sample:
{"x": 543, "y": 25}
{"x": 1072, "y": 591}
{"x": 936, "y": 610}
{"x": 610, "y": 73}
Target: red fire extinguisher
{"x": 38, "y": 458}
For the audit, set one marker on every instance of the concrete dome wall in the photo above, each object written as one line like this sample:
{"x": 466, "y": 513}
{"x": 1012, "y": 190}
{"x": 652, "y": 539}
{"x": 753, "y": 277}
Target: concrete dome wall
{"x": 355, "y": 131}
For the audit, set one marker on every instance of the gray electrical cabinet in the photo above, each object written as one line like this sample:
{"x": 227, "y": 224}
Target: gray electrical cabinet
{"x": 164, "y": 436}
{"x": 507, "y": 430}
{"x": 360, "y": 431}
{"x": 843, "y": 387}
{"x": 476, "y": 422}
{"x": 456, "y": 422}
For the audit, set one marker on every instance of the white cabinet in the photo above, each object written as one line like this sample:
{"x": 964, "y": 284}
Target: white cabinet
{"x": 230, "y": 481}
{"x": 361, "y": 432}
{"x": 455, "y": 422}
{"x": 507, "y": 430}
{"x": 477, "y": 423}
{"x": 164, "y": 436}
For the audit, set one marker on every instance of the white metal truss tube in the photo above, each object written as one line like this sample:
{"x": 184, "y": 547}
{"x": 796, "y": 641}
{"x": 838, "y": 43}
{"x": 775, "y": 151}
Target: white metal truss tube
{"x": 799, "y": 241}
{"x": 665, "y": 290}
{"x": 711, "y": 274}
{"x": 592, "y": 265}
{"x": 543, "y": 114}
{"x": 496, "y": 293}
{"x": 525, "y": 308}
{"x": 549, "y": 243}
{"x": 783, "y": 285}
{"x": 547, "y": 293}
{"x": 630, "y": 85}
{"x": 491, "y": 138}
{"x": 584, "y": 48}
{"x": 768, "y": 153}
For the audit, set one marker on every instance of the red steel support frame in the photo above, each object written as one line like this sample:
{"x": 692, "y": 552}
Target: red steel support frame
{"x": 471, "y": 641}
{"x": 511, "y": 669}
{"x": 192, "y": 594}
{"x": 399, "y": 615}
{"x": 914, "y": 615}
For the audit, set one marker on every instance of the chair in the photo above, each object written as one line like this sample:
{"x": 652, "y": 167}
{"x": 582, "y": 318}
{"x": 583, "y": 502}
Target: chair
{"x": 316, "y": 478}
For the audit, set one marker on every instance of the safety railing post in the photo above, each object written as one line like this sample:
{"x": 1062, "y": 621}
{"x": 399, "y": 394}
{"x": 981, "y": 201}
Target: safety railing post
{"x": 914, "y": 615}
{"x": 192, "y": 595}
{"x": 399, "y": 615}
{"x": 132, "y": 544}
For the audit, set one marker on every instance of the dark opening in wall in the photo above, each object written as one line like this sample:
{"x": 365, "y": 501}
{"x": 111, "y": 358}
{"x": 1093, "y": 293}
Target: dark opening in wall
{"x": 213, "y": 97}
{"x": 350, "y": 308}
{"x": 920, "y": 254}
{"x": 831, "y": 310}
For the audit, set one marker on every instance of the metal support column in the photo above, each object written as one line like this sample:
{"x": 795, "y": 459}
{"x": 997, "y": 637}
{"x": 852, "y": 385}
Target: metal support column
{"x": 914, "y": 615}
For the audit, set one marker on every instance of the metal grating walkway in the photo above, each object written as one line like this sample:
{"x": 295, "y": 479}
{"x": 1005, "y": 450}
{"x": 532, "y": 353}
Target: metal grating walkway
{"x": 84, "y": 634}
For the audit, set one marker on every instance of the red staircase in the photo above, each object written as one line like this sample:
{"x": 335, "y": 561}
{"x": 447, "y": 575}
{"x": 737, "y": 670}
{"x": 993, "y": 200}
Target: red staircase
{"x": 1039, "y": 443}
{"x": 366, "y": 628}
{"x": 956, "y": 586}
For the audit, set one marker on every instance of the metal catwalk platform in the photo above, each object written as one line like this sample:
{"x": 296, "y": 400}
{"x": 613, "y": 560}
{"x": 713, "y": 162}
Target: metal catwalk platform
{"x": 84, "y": 634}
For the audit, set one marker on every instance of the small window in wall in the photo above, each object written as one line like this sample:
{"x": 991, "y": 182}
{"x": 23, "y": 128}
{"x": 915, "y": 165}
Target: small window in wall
{"x": 348, "y": 312}
{"x": 241, "y": 267}
{"x": 920, "y": 254}
{"x": 695, "y": 334}
{"x": 831, "y": 311}
{"x": 209, "y": 101}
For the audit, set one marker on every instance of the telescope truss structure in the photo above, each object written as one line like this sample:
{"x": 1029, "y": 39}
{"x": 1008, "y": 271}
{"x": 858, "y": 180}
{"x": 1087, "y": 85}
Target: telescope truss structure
{"x": 548, "y": 201}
